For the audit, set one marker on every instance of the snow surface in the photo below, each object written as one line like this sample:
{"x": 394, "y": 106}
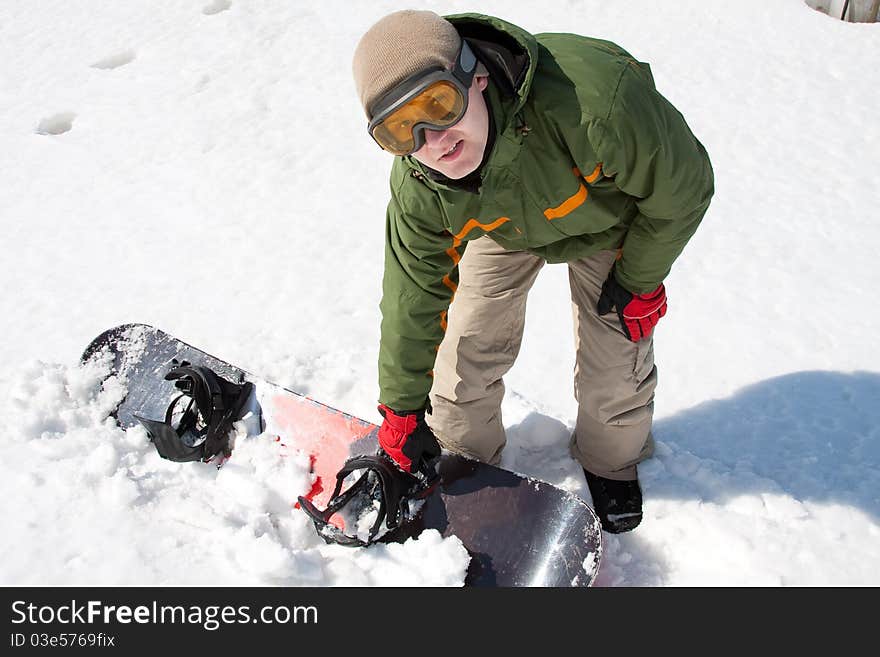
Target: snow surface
{"x": 203, "y": 167}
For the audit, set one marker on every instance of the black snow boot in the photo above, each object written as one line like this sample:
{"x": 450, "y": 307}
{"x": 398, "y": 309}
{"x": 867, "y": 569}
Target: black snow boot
{"x": 617, "y": 503}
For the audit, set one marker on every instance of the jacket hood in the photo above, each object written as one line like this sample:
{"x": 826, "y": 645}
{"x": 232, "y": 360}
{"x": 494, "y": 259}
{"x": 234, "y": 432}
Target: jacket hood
{"x": 508, "y": 51}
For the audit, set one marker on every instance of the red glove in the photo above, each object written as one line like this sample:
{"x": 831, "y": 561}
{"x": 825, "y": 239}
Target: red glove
{"x": 408, "y": 440}
{"x": 638, "y": 313}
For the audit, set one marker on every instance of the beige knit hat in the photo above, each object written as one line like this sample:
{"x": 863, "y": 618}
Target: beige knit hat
{"x": 398, "y": 46}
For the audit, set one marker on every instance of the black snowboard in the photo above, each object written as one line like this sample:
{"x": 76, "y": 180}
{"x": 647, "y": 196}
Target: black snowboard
{"x": 518, "y": 531}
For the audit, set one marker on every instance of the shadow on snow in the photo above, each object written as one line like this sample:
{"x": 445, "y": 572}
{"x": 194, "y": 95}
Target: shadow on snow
{"x": 813, "y": 436}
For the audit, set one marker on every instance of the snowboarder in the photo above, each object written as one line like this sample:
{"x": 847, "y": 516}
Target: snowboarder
{"x": 513, "y": 150}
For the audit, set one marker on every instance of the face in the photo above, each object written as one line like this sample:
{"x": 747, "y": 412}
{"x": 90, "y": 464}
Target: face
{"x": 458, "y": 151}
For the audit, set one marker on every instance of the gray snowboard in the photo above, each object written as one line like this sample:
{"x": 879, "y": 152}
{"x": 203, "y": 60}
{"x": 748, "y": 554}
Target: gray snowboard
{"x": 518, "y": 531}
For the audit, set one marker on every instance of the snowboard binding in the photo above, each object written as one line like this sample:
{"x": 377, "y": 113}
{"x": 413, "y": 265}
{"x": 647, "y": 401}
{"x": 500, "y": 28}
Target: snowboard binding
{"x": 198, "y": 422}
{"x": 382, "y": 488}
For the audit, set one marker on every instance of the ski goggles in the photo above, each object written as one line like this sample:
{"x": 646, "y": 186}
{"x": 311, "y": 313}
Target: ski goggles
{"x": 435, "y": 99}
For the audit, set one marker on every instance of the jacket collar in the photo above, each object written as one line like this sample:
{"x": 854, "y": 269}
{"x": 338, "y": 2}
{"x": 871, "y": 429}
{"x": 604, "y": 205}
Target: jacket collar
{"x": 508, "y": 51}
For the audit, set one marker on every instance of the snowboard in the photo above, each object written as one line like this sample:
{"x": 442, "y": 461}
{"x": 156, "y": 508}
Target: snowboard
{"x": 518, "y": 531}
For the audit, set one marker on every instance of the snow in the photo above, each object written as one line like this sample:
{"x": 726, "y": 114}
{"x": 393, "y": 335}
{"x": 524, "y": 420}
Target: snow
{"x": 203, "y": 167}
{"x": 90, "y": 504}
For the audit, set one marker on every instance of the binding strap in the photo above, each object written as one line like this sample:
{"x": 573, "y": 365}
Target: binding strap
{"x": 382, "y": 481}
{"x": 213, "y": 399}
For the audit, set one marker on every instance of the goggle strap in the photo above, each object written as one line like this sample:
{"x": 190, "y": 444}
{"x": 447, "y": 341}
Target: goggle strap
{"x": 467, "y": 61}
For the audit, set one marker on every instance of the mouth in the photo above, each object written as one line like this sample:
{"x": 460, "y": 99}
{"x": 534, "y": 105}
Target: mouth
{"x": 453, "y": 152}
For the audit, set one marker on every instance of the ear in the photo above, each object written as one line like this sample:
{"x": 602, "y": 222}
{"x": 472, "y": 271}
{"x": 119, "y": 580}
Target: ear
{"x": 482, "y": 81}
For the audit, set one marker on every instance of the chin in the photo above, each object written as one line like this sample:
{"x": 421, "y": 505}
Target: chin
{"x": 457, "y": 170}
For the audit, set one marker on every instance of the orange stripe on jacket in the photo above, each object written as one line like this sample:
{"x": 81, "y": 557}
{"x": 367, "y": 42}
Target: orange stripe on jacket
{"x": 569, "y": 205}
{"x": 573, "y": 202}
{"x": 452, "y": 253}
{"x": 473, "y": 223}
{"x": 593, "y": 177}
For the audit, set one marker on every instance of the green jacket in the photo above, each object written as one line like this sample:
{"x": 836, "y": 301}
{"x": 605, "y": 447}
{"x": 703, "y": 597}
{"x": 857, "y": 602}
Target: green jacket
{"x": 587, "y": 155}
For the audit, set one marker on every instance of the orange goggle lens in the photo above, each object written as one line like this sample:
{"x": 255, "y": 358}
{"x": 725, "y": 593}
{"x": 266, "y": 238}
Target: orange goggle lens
{"x": 441, "y": 104}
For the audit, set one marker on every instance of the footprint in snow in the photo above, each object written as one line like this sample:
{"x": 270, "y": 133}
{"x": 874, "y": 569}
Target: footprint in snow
{"x": 57, "y": 124}
{"x": 216, "y": 7}
{"x": 115, "y": 61}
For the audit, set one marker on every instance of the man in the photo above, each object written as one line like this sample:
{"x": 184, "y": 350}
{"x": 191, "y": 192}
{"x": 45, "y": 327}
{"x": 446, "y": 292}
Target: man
{"x": 513, "y": 150}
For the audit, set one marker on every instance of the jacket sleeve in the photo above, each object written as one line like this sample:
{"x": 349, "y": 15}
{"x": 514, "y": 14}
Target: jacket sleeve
{"x": 421, "y": 275}
{"x": 648, "y": 148}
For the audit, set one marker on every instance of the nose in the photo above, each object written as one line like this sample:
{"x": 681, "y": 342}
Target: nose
{"x": 437, "y": 140}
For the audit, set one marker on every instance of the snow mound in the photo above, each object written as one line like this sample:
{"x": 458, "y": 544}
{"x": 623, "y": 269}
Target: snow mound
{"x": 94, "y": 504}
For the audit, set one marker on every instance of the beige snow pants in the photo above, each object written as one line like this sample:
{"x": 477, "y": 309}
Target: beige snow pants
{"x": 614, "y": 378}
